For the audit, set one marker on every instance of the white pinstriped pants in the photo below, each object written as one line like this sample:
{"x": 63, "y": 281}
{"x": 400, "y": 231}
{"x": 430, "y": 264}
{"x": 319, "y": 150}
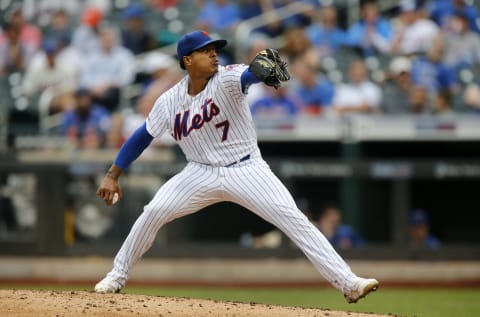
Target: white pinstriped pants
{"x": 250, "y": 184}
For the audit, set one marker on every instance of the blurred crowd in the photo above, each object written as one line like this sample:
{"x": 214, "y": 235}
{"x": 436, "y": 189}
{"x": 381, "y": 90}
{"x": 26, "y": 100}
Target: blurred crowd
{"x": 418, "y": 57}
{"x": 91, "y": 70}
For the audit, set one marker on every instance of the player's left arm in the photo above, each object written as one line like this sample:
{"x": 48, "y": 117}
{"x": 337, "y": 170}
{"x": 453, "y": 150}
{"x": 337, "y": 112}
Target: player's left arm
{"x": 248, "y": 78}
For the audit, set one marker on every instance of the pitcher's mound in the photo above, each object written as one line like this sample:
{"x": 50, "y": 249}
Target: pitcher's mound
{"x": 27, "y": 303}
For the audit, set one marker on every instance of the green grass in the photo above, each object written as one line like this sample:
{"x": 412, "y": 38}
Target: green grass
{"x": 407, "y": 302}
{"x": 400, "y": 302}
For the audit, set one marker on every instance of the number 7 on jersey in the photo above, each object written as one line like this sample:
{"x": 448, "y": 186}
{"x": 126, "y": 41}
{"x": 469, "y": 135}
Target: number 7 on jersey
{"x": 225, "y": 125}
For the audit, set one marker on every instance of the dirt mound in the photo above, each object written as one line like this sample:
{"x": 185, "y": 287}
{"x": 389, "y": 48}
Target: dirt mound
{"x": 27, "y": 303}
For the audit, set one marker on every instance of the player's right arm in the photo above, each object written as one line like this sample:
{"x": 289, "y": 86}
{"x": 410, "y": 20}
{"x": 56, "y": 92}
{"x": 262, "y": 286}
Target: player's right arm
{"x": 129, "y": 152}
{"x": 154, "y": 126}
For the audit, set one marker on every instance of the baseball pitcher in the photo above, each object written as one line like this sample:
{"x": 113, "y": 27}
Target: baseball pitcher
{"x": 208, "y": 116}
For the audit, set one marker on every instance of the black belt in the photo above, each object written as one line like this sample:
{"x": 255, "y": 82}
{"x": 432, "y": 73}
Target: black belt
{"x": 246, "y": 157}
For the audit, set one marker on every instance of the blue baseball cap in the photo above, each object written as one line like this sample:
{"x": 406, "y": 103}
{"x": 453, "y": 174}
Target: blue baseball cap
{"x": 193, "y": 41}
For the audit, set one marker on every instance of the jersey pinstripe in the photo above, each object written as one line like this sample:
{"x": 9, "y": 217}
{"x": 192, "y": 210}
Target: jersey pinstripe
{"x": 215, "y": 127}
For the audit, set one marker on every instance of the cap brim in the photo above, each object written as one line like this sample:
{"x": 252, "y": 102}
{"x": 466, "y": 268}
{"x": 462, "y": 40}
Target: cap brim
{"x": 217, "y": 43}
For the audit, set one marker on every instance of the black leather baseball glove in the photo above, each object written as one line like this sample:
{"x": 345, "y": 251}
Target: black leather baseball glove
{"x": 269, "y": 68}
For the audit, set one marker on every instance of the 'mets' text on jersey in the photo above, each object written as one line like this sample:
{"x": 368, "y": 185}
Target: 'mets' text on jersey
{"x": 214, "y": 127}
{"x": 209, "y": 110}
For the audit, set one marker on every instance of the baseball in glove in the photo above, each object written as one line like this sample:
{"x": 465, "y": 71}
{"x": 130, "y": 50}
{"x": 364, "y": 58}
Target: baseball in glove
{"x": 269, "y": 68}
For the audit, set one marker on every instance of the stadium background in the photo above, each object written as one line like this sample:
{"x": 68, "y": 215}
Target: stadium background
{"x": 376, "y": 168}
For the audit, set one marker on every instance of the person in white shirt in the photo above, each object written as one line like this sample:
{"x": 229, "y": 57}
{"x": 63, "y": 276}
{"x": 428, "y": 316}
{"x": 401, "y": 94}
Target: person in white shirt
{"x": 462, "y": 46}
{"x": 359, "y": 95}
{"x": 108, "y": 69}
{"x": 414, "y": 32}
{"x": 47, "y": 75}
{"x": 86, "y": 36}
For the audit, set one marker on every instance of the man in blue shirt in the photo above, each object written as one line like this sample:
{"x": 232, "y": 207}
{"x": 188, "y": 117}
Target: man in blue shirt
{"x": 341, "y": 236}
{"x": 276, "y": 103}
{"x": 325, "y": 35}
{"x": 419, "y": 230}
{"x": 430, "y": 72}
{"x": 372, "y": 33}
{"x": 219, "y": 16}
{"x": 441, "y": 11}
{"x": 315, "y": 91}
{"x": 87, "y": 124}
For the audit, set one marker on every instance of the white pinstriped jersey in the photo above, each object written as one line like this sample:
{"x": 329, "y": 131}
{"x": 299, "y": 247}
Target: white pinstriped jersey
{"x": 214, "y": 127}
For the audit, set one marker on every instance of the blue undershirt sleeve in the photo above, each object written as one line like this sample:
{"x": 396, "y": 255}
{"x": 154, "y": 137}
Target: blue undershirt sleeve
{"x": 133, "y": 147}
{"x": 247, "y": 78}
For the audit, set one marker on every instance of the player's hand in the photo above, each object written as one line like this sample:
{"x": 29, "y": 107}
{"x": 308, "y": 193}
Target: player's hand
{"x": 110, "y": 190}
{"x": 107, "y": 190}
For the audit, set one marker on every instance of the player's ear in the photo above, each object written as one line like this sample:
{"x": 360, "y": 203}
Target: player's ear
{"x": 187, "y": 60}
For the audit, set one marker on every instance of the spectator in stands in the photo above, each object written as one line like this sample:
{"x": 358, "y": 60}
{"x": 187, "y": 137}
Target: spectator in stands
{"x": 471, "y": 97}
{"x": 276, "y": 104}
{"x": 43, "y": 12}
{"x": 86, "y": 38}
{"x": 253, "y": 8}
{"x": 60, "y": 26}
{"x": 420, "y": 100}
{"x": 14, "y": 54}
{"x": 304, "y": 17}
{"x": 161, "y": 73}
{"x": 414, "y": 32}
{"x": 329, "y": 222}
{"x": 315, "y": 91}
{"x": 462, "y": 45}
{"x": 85, "y": 125}
{"x": 443, "y": 104}
{"x": 397, "y": 87}
{"x": 419, "y": 231}
{"x": 442, "y": 10}
{"x": 430, "y": 72}
{"x": 135, "y": 37}
{"x": 108, "y": 70}
{"x": 218, "y": 16}
{"x": 296, "y": 42}
{"x": 359, "y": 95}
{"x": 45, "y": 75}
{"x": 164, "y": 74}
{"x": 29, "y": 34}
{"x": 372, "y": 33}
{"x": 68, "y": 54}
{"x": 324, "y": 34}
{"x": 255, "y": 44}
